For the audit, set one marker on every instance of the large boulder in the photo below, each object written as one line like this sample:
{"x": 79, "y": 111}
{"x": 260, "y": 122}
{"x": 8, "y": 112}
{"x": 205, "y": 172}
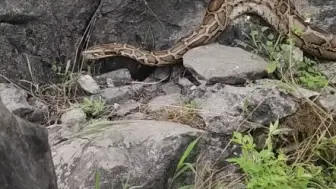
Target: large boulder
{"x": 25, "y": 154}
{"x": 142, "y": 153}
{"x": 37, "y": 34}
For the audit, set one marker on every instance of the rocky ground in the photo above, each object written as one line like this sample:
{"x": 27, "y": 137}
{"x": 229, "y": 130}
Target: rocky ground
{"x": 132, "y": 123}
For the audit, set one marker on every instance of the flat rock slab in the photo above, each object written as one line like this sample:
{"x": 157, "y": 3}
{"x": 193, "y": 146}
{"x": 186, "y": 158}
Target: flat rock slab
{"x": 166, "y": 101}
{"x": 217, "y": 63}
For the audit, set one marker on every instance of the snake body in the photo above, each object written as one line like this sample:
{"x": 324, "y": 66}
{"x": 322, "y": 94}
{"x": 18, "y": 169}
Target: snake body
{"x": 281, "y": 14}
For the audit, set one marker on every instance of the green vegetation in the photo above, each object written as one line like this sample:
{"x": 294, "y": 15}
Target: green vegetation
{"x": 183, "y": 166}
{"x": 265, "y": 169}
{"x": 63, "y": 73}
{"x": 93, "y": 107}
{"x": 285, "y": 60}
{"x": 272, "y": 168}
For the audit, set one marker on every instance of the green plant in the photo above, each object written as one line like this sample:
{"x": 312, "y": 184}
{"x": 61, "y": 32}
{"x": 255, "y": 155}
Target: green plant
{"x": 267, "y": 45}
{"x": 325, "y": 154}
{"x": 266, "y": 170}
{"x": 296, "y": 30}
{"x": 183, "y": 167}
{"x": 97, "y": 180}
{"x": 93, "y": 107}
{"x": 310, "y": 77}
{"x": 192, "y": 104}
{"x": 59, "y": 70}
{"x": 284, "y": 62}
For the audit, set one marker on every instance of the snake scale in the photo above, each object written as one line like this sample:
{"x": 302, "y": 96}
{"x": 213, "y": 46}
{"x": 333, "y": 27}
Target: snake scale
{"x": 281, "y": 14}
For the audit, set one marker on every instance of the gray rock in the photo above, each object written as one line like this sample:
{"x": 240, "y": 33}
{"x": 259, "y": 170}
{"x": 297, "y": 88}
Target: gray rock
{"x": 40, "y": 34}
{"x": 160, "y": 73}
{"x": 166, "y": 101}
{"x": 166, "y": 26}
{"x": 152, "y": 90}
{"x": 117, "y": 77}
{"x": 329, "y": 70}
{"x": 184, "y": 82}
{"x": 58, "y": 133}
{"x": 26, "y": 160}
{"x": 121, "y": 94}
{"x": 186, "y": 85}
{"x": 39, "y": 113}
{"x": 222, "y": 64}
{"x": 227, "y": 108}
{"x": 88, "y": 84}
{"x": 74, "y": 119}
{"x": 328, "y": 90}
{"x": 321, "y": 14}
{"x": 17, "y": 101}
{"x": 170, "y": 87}
{"x": 126, "y": 108}
{"x": 328, "y": 102}
{"x": 136, "y": 115}
{"x": 137, "y": 150}
{"x": 297, "y": 91}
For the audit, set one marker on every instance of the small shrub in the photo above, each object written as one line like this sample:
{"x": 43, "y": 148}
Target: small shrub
{"x": 266, "y": 170}
{"x": 282, "y": 60}
{"x": 93, "y": 108}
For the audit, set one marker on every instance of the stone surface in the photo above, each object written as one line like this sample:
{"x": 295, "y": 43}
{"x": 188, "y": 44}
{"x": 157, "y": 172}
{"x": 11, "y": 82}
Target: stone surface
{"x": 25, "y": 154}
{"x": 17, "y": 101}
{"x": 320, "y": 13}
{"x": 297, "y": 91}
{"x": 121, "y": 94}
{"x": 166, "y": 101}
{"x": 136, "y": 115}
{"x": 328, "y": 102}
{"x": 58, "y": 133}
{"x": 184, "y": 82}
{"x": 115, "y": 78}
{"x": 39, "y": 34}
{"x": 329, "y": 70}
{"x": 227, "y": 108}
{"x": 223, "y": 64}
{"x": 160, "y": 73}
{"x": 140, "y": 151}
{"x": 328, "y": 90}
{"x": 74, "y": 119}
{"x": 126, "y": 108}
{"x": 170, "y": 88}
{"x": 88, "y": 84}
{"x": 128, "y": 21}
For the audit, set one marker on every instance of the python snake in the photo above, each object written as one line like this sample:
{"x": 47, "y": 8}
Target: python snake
{"x": 281, "y": 14}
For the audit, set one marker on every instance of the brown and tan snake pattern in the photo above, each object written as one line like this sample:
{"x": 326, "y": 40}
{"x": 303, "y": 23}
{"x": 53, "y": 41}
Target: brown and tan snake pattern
{"x": 281, "y": 14}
